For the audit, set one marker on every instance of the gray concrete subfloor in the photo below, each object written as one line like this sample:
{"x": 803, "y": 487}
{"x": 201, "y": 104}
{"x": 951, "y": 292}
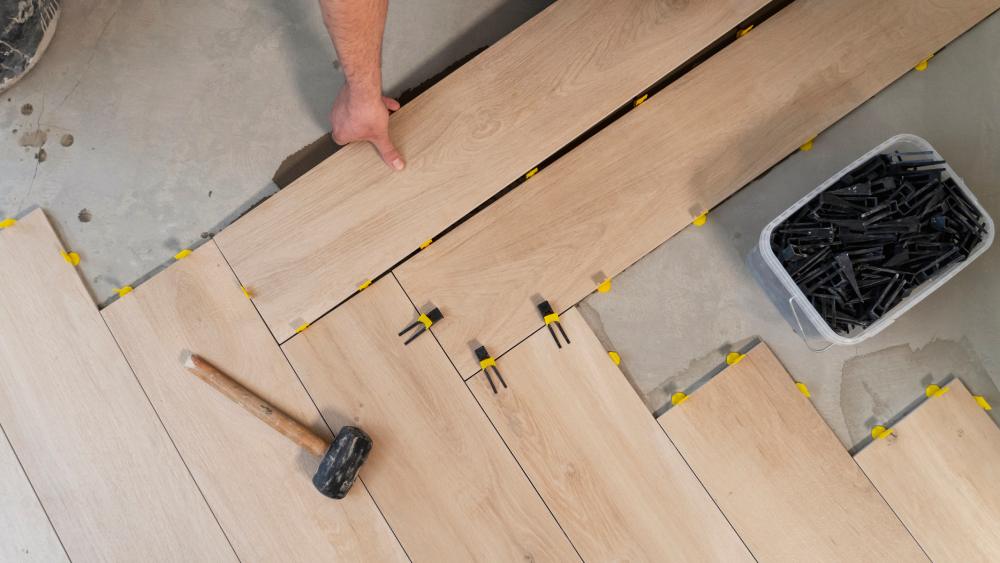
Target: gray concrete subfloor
{"x": 673, "y": 315}
{"x": 181, "y": 111}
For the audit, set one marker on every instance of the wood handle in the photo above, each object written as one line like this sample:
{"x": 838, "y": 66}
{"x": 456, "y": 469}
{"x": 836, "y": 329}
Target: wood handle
{"x": 256, "y": 406}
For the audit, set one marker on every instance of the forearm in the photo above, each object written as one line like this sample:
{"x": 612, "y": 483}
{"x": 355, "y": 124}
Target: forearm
{"x": 356, "y": 27}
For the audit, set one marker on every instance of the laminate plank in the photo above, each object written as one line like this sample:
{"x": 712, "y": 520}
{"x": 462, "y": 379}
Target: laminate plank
{"x": 349, "y": 219}
{"x": 444, "y": 479}
{"x": 612, "y": 478}
{"x": 642, "y": 179}
{"x": 779, "y": 473}
{"x": 257, "y": 482}
{"x": 939, "y": 470}
{"x": 101, "y": 463}
{"x": 25, "y": 532}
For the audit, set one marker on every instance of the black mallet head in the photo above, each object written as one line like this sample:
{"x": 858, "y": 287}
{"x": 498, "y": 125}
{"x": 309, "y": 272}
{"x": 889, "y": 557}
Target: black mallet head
{"x": 340, "y": 466}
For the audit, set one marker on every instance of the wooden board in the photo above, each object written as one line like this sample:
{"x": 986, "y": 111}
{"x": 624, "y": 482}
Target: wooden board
{"x": 351, "y": 218}
{"x": 257, "y": 482}
{"x": 101, "y": 463}
{"x": 940, "y": 472}
{"x": 25, "y": 531}
{"x": 779, "y": 473}
{"x": 444, "y": 480}
{"x": 635, "y": 184}
{"x": 611, "y": 477}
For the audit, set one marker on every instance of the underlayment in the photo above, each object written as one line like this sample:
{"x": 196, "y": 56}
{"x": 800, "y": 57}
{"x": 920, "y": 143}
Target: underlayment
{"x": 675, "y": 314}
{"x": 148, "y": 125}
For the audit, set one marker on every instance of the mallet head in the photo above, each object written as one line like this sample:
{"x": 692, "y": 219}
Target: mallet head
{"x": 340, "y": 466}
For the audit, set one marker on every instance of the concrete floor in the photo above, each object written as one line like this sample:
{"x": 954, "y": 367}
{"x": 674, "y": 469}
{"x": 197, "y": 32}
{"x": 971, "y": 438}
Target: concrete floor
{"x": 674, "y": 315}
{"x": 181, "y": 111}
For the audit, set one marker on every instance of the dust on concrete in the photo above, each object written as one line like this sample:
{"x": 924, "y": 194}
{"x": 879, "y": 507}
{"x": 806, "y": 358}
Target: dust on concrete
{"x": 34, "y": 138}
{"x": 41, "y": 155}
{"x": 878, "y": 386}
{"x": 67, "y": 140}
{"x": 84, "y": 216}
{"x": 27, "y": 109}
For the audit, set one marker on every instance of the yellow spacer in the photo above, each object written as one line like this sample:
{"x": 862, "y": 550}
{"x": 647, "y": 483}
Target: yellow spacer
{"x": 365, "y": 285}
{"x": 426, "y": 243}
{"x": 982, "y": 402}
{"x": 803, "y": 389}
{"x": 922, "y": 65}
{"x": 605, "y": 286}
{"x": 182, "y": 254}
{"x": 71, "y": 257}
{"x": 8, "y": 222}
{"x": 531, "y": 173}
{"x": 881, "y": 432}
{"x": 935, "y": 391}
{"x": 638, "y": 101}
{"x": 808, "y": 145}
{"x": 734, "y": 358}
{"x": 488, "y": 362}
{"x": 700, "y": 220}
{"x": 246, "y": 292}
{"x": 425, "y": 320}
{"x": 743, "y": 31}
{"x": 301, "y": 327}
{"x": 553, "y": 318}
{"x": 615, "y": 358}
{"x": 123, "y": 291}
{"x": 678, "y": 398}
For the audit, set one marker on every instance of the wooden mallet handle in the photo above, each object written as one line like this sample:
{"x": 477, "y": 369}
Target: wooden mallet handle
{"x": 258, "y": 407}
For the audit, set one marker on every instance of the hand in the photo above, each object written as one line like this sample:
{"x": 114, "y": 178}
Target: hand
{"x": 361, "y": 117}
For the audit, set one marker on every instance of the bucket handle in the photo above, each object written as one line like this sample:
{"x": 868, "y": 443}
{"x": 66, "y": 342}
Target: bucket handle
{"x": 802, "y": 333}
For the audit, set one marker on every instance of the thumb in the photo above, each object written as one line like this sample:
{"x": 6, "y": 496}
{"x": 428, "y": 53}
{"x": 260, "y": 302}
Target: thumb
{"x": 388, "y": 152}
{"x": 390, "y": 104}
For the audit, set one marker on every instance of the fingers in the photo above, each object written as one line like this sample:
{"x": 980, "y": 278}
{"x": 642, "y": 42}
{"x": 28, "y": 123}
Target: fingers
{"x": 390, "y": 104}
{"x": 388, "y": 151}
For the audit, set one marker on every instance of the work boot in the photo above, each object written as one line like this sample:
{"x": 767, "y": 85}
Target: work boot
{"x": 26, "y": 28}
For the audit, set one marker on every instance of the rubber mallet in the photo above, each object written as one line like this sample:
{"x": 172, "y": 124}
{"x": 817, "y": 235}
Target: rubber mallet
{"x": 340, "y": 460}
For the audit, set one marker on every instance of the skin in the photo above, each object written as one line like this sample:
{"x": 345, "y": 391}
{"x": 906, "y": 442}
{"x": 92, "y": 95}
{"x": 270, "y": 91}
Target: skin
{"x": 361, "y": 112}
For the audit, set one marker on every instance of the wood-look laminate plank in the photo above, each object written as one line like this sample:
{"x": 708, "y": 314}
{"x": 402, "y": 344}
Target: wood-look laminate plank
{"x": 25, "y": 532}
{"x": 351, "y": 218}
{"x": 444, "y": 479}
{"x": 940, "y": 472}
{"x": 101, "y": 463}
{"x": 779, "y": 473}
{"x": 639, "y": 181}
{"x": 257, "y": 482}
{"x": 612, "y": 478}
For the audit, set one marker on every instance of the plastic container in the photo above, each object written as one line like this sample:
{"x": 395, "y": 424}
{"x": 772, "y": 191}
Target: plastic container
{"x": 794, "y": 305}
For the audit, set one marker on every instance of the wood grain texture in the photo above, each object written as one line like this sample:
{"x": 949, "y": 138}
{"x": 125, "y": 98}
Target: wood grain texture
{"x": 25, "y": 532}
{"x": 940, "y": 472}
{"x": 101, "y": 463}
{"x": 611, "y": 477}
{"x": 635, "y": 184}
{"x": 779, "y": 473}
{"x": 351, "y": 218}
{"x": 257, "y": 481}
{"x": 444, "y": 480}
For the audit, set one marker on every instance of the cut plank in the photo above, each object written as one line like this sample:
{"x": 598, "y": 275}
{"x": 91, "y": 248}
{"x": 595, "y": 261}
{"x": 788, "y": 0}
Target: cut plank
{"x": 440, "y": 473}
{"x": 635, "y": 184}
{"x": 257, "y": 482}
{"x": 779, "y": 473}
{"x": 101, "y": 464}
{"x": 611, "y": 477}
{"x": 25, "y": 531}
{"x": 940, "y": 472}
{"x": 351, "y": 218}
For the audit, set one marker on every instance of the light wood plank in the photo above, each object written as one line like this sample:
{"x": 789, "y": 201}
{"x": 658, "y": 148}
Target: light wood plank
{"x": 611, "y": 477}
{"x": 439, "y": 471}
{"x": 25, "y": 532}
{"x": 940, "y": 472}
{"x": 101, "y": 463}
{"x": 779, "y": 473}
{"x": 351, "y": 218}
{"x": 257, "y": 482}
{"x": 635, "y": 184}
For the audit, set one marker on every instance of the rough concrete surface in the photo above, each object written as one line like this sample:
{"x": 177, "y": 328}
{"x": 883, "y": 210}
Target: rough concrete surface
{"x": 673, "y": 316}
{"x": 147, "y": 124}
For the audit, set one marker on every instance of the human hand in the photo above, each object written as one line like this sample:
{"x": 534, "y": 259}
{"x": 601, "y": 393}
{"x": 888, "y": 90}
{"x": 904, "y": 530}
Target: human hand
{"x": 360, "y": 116}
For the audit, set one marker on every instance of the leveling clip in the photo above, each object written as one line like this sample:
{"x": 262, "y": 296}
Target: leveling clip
{"x": 486, "y": 362}
{"x": 426, "y": 319}
{"x": 550, "y": 317}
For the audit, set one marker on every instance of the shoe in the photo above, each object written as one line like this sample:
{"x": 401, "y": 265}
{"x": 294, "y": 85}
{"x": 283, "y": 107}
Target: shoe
{"x": 26, "y": 28}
